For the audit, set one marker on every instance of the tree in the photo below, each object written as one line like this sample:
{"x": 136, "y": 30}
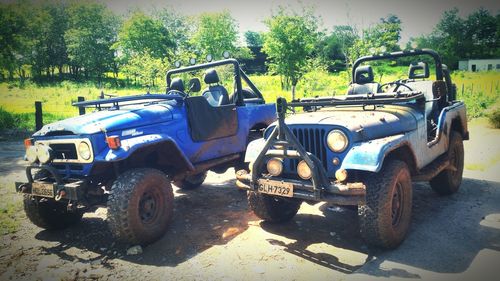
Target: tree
{"x": 141, "y": 33}
{"x": 253, "y": 39}
{"x": 289, "y": 44}
{"x": 334, "y": 48}
{"x": 216, "y": 33}
{"x": 92, "y": 30}
{"x": 146, "y": 67}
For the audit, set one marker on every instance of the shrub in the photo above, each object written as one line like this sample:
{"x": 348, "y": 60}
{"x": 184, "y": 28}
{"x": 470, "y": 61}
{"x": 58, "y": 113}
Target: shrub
{"x": 7, "y": 120}
{"x": 494, "y": 118}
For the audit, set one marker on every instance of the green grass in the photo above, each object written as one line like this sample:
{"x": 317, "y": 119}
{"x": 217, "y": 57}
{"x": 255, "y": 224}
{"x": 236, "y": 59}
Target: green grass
{"x": 479, "y": 90}
{"x": 9, "y": 215}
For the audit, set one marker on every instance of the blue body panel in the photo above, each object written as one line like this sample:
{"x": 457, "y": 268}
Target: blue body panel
{"x": 143, "y": 125}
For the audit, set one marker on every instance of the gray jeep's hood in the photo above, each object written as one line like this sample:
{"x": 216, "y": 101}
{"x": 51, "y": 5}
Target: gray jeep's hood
{"x": 365, "y": 125}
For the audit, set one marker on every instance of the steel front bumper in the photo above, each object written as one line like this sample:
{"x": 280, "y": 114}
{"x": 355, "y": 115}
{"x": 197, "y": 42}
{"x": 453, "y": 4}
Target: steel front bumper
{"x": 58, "y": 189}
{"x": 336, "y": 193}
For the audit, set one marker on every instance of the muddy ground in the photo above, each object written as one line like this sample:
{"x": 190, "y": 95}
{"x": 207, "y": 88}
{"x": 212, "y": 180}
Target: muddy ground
{"x": 215, "y": 237}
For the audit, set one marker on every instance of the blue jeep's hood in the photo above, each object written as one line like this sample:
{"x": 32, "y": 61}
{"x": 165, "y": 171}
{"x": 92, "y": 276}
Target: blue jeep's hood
{"x": 110, "y": 120}
{"x": 366, "y": 125}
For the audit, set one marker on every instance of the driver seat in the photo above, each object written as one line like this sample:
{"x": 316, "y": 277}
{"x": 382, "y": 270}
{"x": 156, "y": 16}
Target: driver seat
{"x": 215, "y": 94}
{"x": 364, "y": 82}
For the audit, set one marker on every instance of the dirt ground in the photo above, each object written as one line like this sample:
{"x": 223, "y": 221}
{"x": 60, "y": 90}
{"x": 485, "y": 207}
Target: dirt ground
{"x": 215, "y": 237}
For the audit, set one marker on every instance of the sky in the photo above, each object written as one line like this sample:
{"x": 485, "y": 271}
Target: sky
{"x": 417, "y": 16}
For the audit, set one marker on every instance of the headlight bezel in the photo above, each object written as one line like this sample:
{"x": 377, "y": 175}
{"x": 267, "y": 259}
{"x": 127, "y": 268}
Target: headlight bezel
{"x": 332, "y": 140}
{"x": 88, "y": 151}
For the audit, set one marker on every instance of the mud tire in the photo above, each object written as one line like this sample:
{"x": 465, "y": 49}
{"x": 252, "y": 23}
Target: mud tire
{"x": 140, "y": 206}
{"x": 386, "y": 216}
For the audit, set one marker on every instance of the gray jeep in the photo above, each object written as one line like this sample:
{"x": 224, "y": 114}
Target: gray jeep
{"x": 363, "y": 149}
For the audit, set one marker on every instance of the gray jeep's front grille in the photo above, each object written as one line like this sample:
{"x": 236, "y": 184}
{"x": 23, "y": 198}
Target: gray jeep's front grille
{"x": 313, "y": 141}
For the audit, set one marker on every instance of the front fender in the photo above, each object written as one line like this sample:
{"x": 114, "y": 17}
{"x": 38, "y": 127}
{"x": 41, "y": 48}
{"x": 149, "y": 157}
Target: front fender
{"x": 369, "y": 156}
{"x": 132, "y": 145}
{"x": 253, "y": 149}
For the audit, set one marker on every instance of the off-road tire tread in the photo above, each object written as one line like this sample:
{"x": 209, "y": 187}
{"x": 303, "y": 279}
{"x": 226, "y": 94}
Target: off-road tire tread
{"x": 442, "y": 184}
{"x": 266, "y": 208}
{"x": 50, "y": 214}
{"x": 118, "y": 203}
{"x": 378, "y": 197}
{"x": 188, "y": 185}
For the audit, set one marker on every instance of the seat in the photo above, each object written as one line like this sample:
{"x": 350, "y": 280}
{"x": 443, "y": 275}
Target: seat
{"x": 363, "y": 82}
{"x": 215, "y": 94}
{"x": 418, "y": 70}
{"x": 177, "y": 84}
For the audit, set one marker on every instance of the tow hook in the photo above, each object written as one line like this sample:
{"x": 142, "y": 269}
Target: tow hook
{"x": 60, "y": 194}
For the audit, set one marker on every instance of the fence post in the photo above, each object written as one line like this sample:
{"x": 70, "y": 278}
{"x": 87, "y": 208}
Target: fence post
{"x": 463, "y": 89}
{"x": 81, "y": 109}
{"x": 38, "y": 115}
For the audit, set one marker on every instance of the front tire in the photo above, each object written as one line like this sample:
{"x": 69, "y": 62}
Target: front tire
{"x": 272, "y": 208}
{"x": 140, "y": 206}
{"x": 448, "y": 181}
{"x": 49, "y": 214}
{"x": 385, "y": 218}
{"x": 192, "y": 181}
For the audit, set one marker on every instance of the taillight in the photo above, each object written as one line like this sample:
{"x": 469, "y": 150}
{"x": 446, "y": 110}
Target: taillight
{"x": 114, "y": 142}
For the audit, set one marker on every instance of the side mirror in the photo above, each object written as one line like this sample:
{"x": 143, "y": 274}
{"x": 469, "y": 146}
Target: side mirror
{"x": 194, "y": 85}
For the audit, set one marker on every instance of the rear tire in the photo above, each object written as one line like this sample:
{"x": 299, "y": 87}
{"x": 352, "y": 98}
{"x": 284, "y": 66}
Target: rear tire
{"x": 140, "y": 206}
{"x": 272, "y": 208}
{"x": 192, "y": 181}
{"x": 448, "y": 181}
{"x": 386, "y": 216}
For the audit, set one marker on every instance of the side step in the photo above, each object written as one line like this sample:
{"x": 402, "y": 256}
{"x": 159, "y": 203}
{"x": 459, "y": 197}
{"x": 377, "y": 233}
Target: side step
{"x": 433, "y": 169}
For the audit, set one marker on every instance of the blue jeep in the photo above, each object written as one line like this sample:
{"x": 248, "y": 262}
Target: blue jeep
{"x": 363, "y": 149}
{"x": 126, "y": 154}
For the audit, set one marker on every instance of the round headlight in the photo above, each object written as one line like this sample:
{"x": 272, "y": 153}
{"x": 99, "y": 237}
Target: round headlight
{"x": 84, "y": 151}
{"x": 44, "y": 153}
{"x": 337, "y": 141}
{"x": 303, "y": 170}
{"x": 275, "y": 166}
{"x": 31, "y": 154}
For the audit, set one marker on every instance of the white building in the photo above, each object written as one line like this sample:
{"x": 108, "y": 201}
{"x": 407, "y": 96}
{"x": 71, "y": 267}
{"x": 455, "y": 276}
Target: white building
{"x": 479, "y": 65}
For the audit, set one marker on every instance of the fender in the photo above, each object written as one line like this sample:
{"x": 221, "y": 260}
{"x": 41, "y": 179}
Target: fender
{"x": 132, "y": 145}
{"x": 369, "y": 156}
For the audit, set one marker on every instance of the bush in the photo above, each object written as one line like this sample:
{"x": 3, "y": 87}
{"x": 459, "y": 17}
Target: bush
{"x": 7, "y": 120}
{"x": 494, "y": 118}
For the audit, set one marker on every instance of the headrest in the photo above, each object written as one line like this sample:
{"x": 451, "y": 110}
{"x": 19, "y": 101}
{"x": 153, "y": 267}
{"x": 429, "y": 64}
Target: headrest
{"x": 211, "y": 76}
{"x": 177, "y": 84}
{"x": 418, "y": 70}
{"x": 363, "y": 74}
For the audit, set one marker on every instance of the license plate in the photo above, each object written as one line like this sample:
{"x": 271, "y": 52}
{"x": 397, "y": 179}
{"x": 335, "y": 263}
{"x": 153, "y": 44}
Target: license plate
{"x": 276, "y": 188}
{"x": 42, "y": 189}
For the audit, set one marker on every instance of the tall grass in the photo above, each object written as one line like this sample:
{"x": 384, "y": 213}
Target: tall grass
{"x": 479, "y": 90}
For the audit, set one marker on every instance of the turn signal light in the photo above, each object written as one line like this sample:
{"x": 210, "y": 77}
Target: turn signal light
{"x": 28, "y": 143}
{"x": 114, "y": 142}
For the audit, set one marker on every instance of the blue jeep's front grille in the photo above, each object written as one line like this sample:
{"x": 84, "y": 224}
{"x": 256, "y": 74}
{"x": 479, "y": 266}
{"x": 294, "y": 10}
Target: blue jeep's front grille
{"x": 313, "y": 141}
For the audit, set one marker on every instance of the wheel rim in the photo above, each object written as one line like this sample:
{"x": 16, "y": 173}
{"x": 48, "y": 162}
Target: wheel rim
{"x": 397, "y": 204}
{"x": 149, "y": 206}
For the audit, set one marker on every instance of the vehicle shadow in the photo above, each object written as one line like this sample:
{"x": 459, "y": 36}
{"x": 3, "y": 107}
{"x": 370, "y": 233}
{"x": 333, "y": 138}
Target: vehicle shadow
{"x": 446, "y": 234}
{"x": 210, "y": 215}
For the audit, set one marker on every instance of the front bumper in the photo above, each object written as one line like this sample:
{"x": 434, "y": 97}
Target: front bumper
{"x": 335, "y": 193}
{"x": 60, "y": 189}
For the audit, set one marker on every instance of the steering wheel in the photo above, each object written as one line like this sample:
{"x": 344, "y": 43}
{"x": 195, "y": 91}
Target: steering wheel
{"x": 177, "y": 92}
{"x": 397, "y": 83}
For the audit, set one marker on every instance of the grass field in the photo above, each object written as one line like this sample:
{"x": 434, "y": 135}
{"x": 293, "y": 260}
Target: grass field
{"x": 480, "y": 91}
